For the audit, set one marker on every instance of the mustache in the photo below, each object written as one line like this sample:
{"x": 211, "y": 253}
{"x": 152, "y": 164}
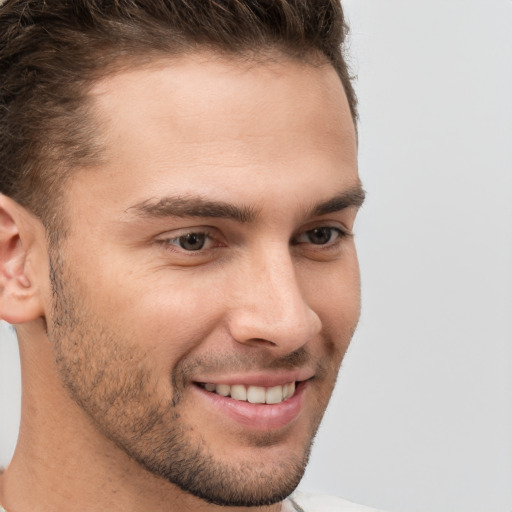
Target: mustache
{"x": 215, "y": 362}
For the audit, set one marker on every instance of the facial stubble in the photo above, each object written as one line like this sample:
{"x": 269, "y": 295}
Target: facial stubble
{"x": 112, "y": 380}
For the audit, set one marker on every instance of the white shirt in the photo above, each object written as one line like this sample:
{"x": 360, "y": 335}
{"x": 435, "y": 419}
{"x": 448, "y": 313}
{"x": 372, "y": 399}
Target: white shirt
{"x": 307, "y": 502}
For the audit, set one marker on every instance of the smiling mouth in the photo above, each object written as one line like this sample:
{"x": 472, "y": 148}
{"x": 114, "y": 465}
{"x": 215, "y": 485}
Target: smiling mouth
{"x": 252, "y": 394}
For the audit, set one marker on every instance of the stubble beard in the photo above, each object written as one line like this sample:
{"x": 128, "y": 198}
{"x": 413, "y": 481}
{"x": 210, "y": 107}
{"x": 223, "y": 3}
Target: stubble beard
{"x": 112, "y": 381}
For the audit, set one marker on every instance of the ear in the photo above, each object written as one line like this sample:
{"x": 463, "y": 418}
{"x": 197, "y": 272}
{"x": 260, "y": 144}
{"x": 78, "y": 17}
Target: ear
{"x": 20, "y": 301}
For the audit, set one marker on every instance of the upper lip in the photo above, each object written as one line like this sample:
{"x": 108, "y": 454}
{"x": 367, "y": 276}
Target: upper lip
{"x": 263, "y": 379}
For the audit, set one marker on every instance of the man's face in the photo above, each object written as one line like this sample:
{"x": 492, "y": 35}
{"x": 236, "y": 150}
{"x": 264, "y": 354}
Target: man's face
{"x": 212, "y": 255}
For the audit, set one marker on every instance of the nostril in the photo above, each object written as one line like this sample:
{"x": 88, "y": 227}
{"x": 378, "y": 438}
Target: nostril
{"x": 260, "y": 342}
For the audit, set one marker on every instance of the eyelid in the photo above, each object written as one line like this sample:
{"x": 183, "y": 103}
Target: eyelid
{"x": 331, "y": 224}
{"x": 340, "y": 235}
{"x": 167, "y": 238}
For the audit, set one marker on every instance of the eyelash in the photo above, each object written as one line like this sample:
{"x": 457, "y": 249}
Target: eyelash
{"x": 336, "y": 232}
{"x": 176, "y": 240}
{"x": 340, "y": 234}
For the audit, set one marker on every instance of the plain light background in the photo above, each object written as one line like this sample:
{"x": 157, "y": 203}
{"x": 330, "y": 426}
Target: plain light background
{"x": 421, "y": 420}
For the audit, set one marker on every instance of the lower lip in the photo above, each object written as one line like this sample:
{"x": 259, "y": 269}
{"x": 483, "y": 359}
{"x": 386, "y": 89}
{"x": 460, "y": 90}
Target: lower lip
{"x": 262, "y": 417}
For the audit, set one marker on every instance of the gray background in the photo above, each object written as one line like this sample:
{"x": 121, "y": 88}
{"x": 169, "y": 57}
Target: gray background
{"x": 421, "y": 420}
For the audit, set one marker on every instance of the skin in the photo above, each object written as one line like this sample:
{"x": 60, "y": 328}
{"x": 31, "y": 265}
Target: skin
{"x": 114, "y": 343}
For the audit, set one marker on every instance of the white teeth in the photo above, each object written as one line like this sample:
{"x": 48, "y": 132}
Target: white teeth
{"x": 223, "y": 389}
{"x": 275, "y": 394}
{"x": 238, "y": 392}
{"x": 254, "y": 394}
{"x": 289, "y": 391}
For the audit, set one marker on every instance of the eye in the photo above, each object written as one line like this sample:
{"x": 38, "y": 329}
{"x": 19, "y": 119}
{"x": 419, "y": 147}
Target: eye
{"x": 191, "y": 242}
{"x": 320, "y": 236}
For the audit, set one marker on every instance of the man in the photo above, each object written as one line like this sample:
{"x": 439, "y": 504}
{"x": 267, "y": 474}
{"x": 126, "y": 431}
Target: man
{"x": 178, "y": 190}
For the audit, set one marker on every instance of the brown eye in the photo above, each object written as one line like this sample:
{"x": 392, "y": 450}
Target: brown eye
{"x": 320, "y": 236}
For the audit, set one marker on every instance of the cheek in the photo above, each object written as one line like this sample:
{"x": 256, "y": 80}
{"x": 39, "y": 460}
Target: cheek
{"x": 334, "y": 291}
{"x": 172, "y": 316}
{"x": 335, "y": 296}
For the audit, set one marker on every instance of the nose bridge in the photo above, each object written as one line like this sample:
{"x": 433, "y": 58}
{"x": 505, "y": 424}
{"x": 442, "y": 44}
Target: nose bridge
{"x": 271, "y": 305}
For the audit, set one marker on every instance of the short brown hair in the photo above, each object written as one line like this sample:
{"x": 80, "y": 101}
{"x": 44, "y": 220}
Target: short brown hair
{"x": 51, "y": 51}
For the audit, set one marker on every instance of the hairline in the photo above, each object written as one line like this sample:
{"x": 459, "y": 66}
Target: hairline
{"x": 56, "y": 222}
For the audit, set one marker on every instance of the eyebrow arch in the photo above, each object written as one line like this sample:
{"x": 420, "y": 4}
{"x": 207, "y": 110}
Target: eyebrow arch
{"x": 184, "y": 206}
{"x": 354, "y": 197}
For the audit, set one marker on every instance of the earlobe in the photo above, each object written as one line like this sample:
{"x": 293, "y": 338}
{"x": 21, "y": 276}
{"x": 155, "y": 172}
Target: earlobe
{"x": 19, "y": 300}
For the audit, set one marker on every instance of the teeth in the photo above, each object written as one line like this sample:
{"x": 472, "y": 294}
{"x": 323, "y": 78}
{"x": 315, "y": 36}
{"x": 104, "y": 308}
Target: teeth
{"x": 289, "y": 391}
{"x": 223, "y": 389}
{"x": 254, "y": 394}
{"x": 275, "y": 394}
{"x": 238, "y": 392}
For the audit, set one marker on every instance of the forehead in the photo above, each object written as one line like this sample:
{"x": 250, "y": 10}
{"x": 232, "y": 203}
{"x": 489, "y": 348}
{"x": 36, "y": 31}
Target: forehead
{"x": 219, "y": 124}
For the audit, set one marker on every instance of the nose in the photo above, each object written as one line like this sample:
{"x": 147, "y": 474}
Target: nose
{"x": 270, "y": 308}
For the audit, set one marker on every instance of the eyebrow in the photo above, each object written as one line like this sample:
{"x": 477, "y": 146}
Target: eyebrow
{"x": 353, "y": 197}
{"x": 180, "y": 206}
{"x": 192, "y": 206}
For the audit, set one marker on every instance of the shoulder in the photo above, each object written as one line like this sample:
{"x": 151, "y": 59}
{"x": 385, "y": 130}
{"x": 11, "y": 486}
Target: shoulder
{"x": 309, "y": 502}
